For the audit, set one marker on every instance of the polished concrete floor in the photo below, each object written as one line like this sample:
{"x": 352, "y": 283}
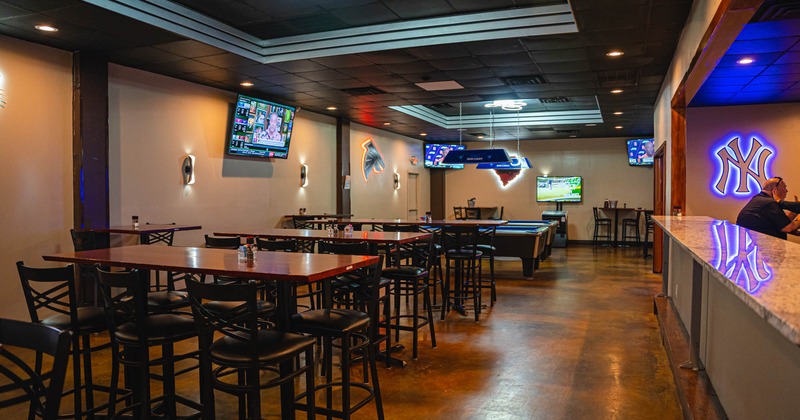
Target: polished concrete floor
{"x": 579, "y": 341}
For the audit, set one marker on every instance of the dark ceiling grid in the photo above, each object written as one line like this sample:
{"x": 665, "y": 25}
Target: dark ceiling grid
{"x": 570, "y": 65}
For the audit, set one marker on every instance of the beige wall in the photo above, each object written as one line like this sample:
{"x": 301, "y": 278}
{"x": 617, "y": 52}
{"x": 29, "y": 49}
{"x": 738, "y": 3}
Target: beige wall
{"x": 377, "y": 197}
{"x": 696, "y": 24}
{"x": 602, "y": 163}
{"x": 776, "y": 124}
{"x": 36, "y": 174}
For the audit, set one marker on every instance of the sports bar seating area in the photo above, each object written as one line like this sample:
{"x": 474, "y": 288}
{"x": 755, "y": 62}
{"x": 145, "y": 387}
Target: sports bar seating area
{"x": 371, "y": 209}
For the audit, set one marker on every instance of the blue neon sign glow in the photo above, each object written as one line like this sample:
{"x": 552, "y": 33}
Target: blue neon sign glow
{"x": 738, "y": 257}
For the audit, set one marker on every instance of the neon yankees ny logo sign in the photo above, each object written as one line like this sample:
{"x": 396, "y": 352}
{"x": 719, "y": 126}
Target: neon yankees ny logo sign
{"x": 739, "y": 174}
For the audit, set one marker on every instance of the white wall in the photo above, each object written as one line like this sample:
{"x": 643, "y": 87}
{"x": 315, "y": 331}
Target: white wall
{"x": 36, "y": 174}
{"x": 602, "y": 163}
{"x": 376, "y": 197}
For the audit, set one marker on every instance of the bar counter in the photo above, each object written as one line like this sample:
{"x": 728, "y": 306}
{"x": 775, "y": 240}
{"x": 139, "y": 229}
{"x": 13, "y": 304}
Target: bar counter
{"x": 737, "y": 292}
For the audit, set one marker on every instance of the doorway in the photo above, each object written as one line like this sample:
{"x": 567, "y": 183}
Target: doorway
{"x": 413, "y": 195}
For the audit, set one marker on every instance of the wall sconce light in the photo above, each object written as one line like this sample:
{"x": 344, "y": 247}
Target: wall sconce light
{"x": 303, "y": 176}
{"x": 396, "y": 181}
{"x": 188, "y": 170}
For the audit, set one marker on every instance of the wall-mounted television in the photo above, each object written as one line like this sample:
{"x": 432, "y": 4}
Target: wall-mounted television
{"x": 640, "y": 152}
{"x": 435, "y": 153}
{"x": 567, "y": 189}
{"x": 261, "y": 128}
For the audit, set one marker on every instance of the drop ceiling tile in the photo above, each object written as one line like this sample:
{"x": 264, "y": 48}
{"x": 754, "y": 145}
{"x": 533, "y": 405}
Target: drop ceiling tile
{"x": 322, "y": 75}
{"x": 411, "y": 67}
{"x": 365, "y": 71}
{"x": 480, "y": 73}
{"x": 348, "y": 83}
{"x": 762, "y": 45}
{"x": 562, "y": 67}
{"x": 517, "y": 71}
{"x": 439, "y": 52}
{"x": 495, "y": 47}
{"x": 488, "y": 82}
{"x": 776, "y": 78}
{"x": 740, "y": 71}
{"x": 230, "y": 12}
{"x": 561, "y": 56}
{"x": 309, "y": 87}
{"x": 227, "y": 60}
{"x": 258, "y": 70}
{"x": 532, "y": 88}
{"x": 279, "y": 91}
{"x": 190, "y": 66}
{"x": 284, "y": 79}
{"x": 462, "y": 63}
{"x": 779, "y": 69}
{"x": 88, "y": 16}
{"x": 583, "y": 76}
{"x": 768, "y": 87}
{"x": 413, "y": 9}
{"x": 365, "y": 14}
{"x": 341, "y": 61}
{"x": 770, "y": 29}
{"x": 390, "y": 80}
{"x": 791, "y": 57}
{"x": 555, "y": 42}
{"x": 220, "y": 75}
{"x": 283, "y": 10}
{"x": 506, "y": 60}
{"x": 140, "y": 34}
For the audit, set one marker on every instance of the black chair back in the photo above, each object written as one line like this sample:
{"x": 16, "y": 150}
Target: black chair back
{"x": 303, "y": 222}
{"x": 344, "y": 248}
{"x": 596, "y": 213}
{"x": 165, "y": 237}
{"x": 49, "y": 289}
{"x": 25, "y": 383}
{"x": 285, "y": 245}
{"x": 224, "y": 242}
{"x": 125, "y": 300}
{"x": 459, "y": 213}
{"x": 460, "y": 237}
{"x": 239, "y": 322}
{"x": 83, "y": 240}
{"x": 400, "y": 228}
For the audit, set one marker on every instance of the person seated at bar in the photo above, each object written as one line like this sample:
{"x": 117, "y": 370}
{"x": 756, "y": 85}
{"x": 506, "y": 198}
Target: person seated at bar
{"x": 764, "y": 213}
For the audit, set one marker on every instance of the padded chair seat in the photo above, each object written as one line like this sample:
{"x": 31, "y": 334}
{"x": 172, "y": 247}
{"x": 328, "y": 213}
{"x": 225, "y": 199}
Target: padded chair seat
{"x": 159, "y": 327}
{"x": 273, "y": 346}
{"x": 324, "y": 321}
{"x": 462, "y": 254}
{"x": 167, "y": 299}
{"x": 90, "y": 319}
{"x": 217, "y": 306}
{"x": 404, "y": 272}
{"x": 481, "y": 247}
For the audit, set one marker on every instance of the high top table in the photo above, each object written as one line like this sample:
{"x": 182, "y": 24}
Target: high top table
{"x": 283, "y": 267}
{"x": 436, "y": 223}
{"x": 148, "y": 234}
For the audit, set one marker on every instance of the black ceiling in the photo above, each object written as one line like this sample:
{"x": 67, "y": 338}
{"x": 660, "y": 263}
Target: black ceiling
{"x": 556, "y": 72}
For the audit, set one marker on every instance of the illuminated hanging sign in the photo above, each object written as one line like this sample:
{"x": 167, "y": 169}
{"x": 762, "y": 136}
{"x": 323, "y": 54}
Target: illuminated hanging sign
{"x": 507, "y": 172}
{"x": 371, "y": 159}
{"x": 738, "y": 257}
{"x": 739, "y": 174}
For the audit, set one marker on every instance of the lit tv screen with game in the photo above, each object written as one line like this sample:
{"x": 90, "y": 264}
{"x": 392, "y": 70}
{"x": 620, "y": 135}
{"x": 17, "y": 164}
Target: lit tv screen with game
{"x": 640, "y": 152}
{"x": 435, "y": 153}
{"x": 261, "y": 128}
{"x": 567, "y": 189}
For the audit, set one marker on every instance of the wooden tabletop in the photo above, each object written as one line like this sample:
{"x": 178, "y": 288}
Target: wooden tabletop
{"x": 470, "y": 222}
{"x": 143, "y": 229}
{"x": 286, "y": 266}
{"x": 310, "y": 234}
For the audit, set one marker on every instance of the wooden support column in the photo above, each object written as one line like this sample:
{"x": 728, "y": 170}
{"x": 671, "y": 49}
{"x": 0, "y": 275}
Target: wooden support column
{"x": 90, "y": 140}
{"x": 438, "y": 193}
{"x": 343, "y": 204}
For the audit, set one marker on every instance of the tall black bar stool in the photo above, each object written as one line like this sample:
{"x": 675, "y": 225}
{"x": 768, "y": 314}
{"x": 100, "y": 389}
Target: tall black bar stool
{"x": 648, "y": 229}
{"x": 485, "y": 245}
{"x": 630, "y": 229}
{"x": 601, "y": 223}
{"x": 462, "y": 258}
{"x": 247, "y": 348}
{"x": 134, "y": 329}
{"x": 51, "y": 298}
{"x": 354, "y": 330}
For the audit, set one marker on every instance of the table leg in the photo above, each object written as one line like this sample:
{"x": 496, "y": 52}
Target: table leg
{"x": 286, "y": 308}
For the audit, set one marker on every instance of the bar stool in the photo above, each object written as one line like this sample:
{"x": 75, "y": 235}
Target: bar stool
{"x": 486, "y": 247}
{"x": 355, "y": 331}
{"x": 134, "y": 329}
{"x": 290, "y": 245}
{"x": 648, "y": 229}
{"x": 632, "y": 224}
{"x": 245, "y": 350}
{"x": 410, "y": 280}
{"x": 600, "y": 222}
{"x": 462, "y": 258}
{"x": 51, "y": 299}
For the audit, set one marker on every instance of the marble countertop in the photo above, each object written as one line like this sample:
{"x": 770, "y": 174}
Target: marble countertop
{"x": 759, "y": 269}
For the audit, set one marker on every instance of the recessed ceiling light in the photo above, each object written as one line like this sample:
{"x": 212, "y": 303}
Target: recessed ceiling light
{"x": 387, "y": 123}
{"x": 247, "y": 84}
{"x": 615, "y": 53}
{"x": 331, "y": 108}
{"x": 480, "y": 137}
{"x": 745, "y": 60}
{"x": 572, "y": 136}
{"x": 46, "y": 28}
{"x": 617, "y": 91}
{"x": 591, "y": 125}
{"x": 618, "y": 113}
{"x": 618, "y": 127}
{"x": 423, "y": 134}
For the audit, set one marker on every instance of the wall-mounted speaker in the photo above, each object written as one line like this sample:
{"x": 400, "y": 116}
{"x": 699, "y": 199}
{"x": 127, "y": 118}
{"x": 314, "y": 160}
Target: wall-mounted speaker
{"x": 188, "y": 170}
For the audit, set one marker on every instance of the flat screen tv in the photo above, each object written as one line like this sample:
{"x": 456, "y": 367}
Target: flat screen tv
{"x": 640, "y": 152}
{"x": 567, "y": 189}
{"x": 261, "y": 128}
{"x": 435, "y": 153}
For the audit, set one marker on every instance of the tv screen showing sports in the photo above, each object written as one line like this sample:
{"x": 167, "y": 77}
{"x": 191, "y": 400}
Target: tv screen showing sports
{"x": 559, "y": 188}
{"x": 261, "y": 128}
{"x": 640, "y": 152}
{"x": 435, "y": 153}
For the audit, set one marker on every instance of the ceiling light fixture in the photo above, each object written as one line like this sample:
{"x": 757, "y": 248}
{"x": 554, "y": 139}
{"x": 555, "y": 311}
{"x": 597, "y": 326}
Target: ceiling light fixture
{"x": 745, "y": 60}
{"x": 331, "y": 108}
{"x": 46, "y": 28}
{"x": 618, "y": 127}
{"x": 591, "y": 125}
{"x": 618, "y": 113}
{"x": 508, "y": 105}
{"x": 615, "y": 53}
{"x": 387, "y": 123}
{"x": 423, "y": 134}
{"x": 247, "y": 84}
{"x": 615, "y": 91}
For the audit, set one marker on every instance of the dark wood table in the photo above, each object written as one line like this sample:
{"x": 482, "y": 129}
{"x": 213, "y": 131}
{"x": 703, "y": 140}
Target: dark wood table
{"x": 284, "y": 267}
{"x": 615, "y": 211}
{"x": 148, "y": 234}
{"x": 437, "y": 223}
